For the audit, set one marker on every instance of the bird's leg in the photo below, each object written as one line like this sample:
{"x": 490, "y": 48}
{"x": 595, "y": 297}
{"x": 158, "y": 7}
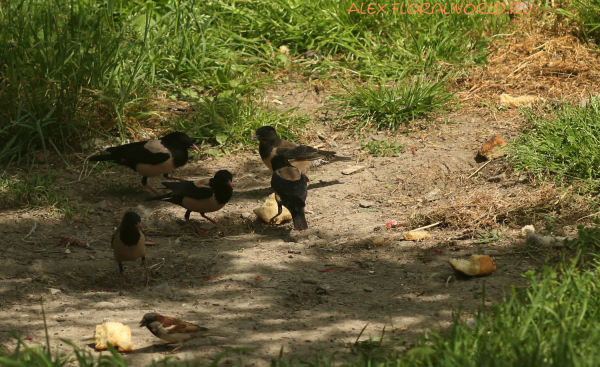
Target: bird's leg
{"x": 122, "y": 274}
{"x": 187, "y": 218}
{"x": 307, "y": 179}
{"x": 145, "y": 183}
{"x": 146, "y": 270}
{"x": 176, "y": 348}
{"x": 212, "y": 221}
{"x": 166, "y": 175}
{"x": 279, "y": 210}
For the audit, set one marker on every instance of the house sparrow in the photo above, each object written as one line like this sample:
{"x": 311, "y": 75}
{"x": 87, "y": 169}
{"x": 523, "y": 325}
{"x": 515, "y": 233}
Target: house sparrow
{"x": 203, "y": 196}
{"x": 301, "y": 156}
{"x": 290, "y": 190}
{"x": 129, "y": 243}
{"x": 173, "y": 330}
{"x": 153, "y": 157}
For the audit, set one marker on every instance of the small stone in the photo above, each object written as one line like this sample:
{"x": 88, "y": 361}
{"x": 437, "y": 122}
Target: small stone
{"x": 164, "y": 290}
{"x": 369, "y": 289}
{"x": 310, "y": 281}
{"x": 498, "y": 178}
{"x": 351, "y": 170}
{"x": 54, "y": 291}
{"x": 246, "y": 215}
{"x": 432, "y": 195}
{"x": 323, "y": 289}
{"x": 67, "y": 251}
{"x": 378, "y": 241}
{"x": 102, "y": 305}
{"x": 92, "y": 257}
{"x": 365, "y": 204}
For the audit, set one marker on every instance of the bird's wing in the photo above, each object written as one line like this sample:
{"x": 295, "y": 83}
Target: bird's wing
{"x": 174, "y": 326}
{"x": 299, "y": 152}
{"x": 190, "y": 189}
{"x": 148, "y": 152}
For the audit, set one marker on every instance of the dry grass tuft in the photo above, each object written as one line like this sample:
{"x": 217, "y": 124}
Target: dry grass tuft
{"x": 490, "y": 206}
{"x": 537, "y": 62}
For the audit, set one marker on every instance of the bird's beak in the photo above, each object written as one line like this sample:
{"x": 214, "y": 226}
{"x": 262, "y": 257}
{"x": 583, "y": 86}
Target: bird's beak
{"x": 254, "y": 137}
{"x": 230, "y": 184}
{"x": 196, "y": 148}
{"x": 142, "y": 324}
{"x": 139, "y": 225}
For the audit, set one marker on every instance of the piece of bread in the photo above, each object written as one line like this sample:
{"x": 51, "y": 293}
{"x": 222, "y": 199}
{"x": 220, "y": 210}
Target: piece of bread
{"x": 269, "y": 209}
{"x": 416, "y": 235}
{"x": 491, "y": 149}
{"x": 479, "y": 265}
{"x": 115, "y": 334}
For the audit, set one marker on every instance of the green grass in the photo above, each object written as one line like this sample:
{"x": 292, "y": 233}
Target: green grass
{"x": 382, "y": 148}
{"x": 383, "y": 105}
{"x": 565, "y": 144}
{"x": 34, "y": 190}
{"x": 76, "y": 69}
{"x": 230, "y": 122}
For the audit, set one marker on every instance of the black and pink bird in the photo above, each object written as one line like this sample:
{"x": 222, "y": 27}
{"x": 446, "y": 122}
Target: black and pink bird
{"x": 290, "y": 190}
{"x": 152, "y": 157}
{"x": 202, "y": 196}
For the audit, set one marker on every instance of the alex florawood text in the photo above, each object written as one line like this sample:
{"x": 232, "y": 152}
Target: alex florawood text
{"x": 444, "y": 8}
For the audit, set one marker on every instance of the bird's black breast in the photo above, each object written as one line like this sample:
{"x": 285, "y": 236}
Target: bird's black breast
{"x": 265, "y": 149}
{"x": 130, "y": 236}
{"x": 180, "y": 157}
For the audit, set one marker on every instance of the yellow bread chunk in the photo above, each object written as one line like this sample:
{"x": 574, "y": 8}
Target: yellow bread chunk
{"x": 115, "y": 334}
{"x": 269, "y": 209}
{"x": 416, "y": 235}
{"x": 478, "y": 266}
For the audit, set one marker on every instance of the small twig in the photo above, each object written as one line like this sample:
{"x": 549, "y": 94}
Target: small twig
{"x": 479, "y": 169}
{"x": 587, "y": 216}
{"x": 29, "y": 234}
{"x": 428, "y": 226}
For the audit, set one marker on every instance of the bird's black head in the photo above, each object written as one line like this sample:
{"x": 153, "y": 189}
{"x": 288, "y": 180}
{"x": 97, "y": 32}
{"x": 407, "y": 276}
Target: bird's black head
{"x": 178, "y": 140}
{"x": 279, "y": 161}
{"x": 148, "y": 319}
{"x": 131, "y": 219}
{"x": 266, "y": 134}
{"x": 224, "y": 177}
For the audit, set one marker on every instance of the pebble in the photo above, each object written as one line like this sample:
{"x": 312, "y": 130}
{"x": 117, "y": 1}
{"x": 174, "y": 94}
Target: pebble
{"x": 378, "y": 241}
{"x": 323, "y": 289}
{"x": 54, "y": 291}
{"x": 310, "y": 281}
{"x": 101, "y": 305}
{"x": 351, "y": 170}
{"x": 164, "y": 290}
{"x": 246, "y": 215}
{"x": 67, "y": 251}
{"x": 369, "y": 289}
{"x": 365, "y": 204}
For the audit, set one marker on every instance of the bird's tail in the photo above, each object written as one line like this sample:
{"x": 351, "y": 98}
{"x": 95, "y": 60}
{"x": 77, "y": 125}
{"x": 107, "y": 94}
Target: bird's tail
{"x": 336, "y": 158}
{"x": 299, "y": 219}
{"x": 101, "y": 158}
{"x": 161, "y": 197}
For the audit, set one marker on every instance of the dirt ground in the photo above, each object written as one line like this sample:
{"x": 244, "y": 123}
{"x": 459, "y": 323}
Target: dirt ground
{"x": 268, "y": 288}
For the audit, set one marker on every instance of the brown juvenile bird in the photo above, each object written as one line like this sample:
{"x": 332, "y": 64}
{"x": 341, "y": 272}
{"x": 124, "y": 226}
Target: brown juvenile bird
{"x": 153, "y": 157}
{"x": 290, "y": 190}
{"x": 301, "y": 156}
{"x": 202, "y": 196}
{"x": 173, "y": 330}
{"x": 129, "y": 243}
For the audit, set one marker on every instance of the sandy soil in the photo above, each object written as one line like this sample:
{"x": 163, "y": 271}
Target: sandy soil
{"x": 264, "y": 287}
